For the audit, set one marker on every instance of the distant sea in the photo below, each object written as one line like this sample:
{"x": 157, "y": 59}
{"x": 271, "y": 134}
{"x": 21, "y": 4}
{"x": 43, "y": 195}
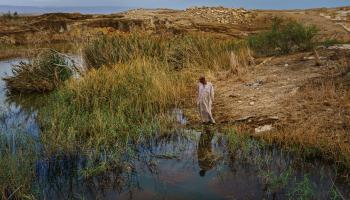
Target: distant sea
{"x": 42, "y": 10}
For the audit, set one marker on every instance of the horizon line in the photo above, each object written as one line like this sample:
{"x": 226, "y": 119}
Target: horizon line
{"x": 151, "y": 7}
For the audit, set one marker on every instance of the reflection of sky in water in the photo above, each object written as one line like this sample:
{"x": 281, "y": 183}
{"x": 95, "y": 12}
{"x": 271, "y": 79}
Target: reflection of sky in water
{"x": 5, "y": 70}
{"x": 13, "y": 119}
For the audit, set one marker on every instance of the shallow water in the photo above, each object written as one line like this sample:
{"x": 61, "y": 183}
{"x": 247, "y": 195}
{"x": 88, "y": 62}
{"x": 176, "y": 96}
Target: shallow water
{"x": 13, "y": 119}
{"x": 183, "y": 165}
{"x": 192, "y": 165}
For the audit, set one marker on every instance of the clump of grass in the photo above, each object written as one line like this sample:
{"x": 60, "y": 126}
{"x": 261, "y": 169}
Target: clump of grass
{"x": 302, "y": 190}
{"x": 284, "y": 38}
{"x": 44, "y": 73}
{"x": 330, "y": 42}
{"x": 275, "y": 182}
{"x": 108, "y": 50}
{"x": 241, "y": 142}
{"x": 108, "y": 108}
{"x": 335, "y": 194}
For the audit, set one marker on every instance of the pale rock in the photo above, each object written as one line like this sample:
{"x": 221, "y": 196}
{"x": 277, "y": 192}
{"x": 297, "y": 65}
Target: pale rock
{"x": 262, "y": 129}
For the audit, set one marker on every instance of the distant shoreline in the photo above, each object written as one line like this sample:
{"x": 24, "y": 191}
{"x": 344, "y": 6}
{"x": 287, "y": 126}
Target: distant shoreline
{"x": 35, "y": 10}
{"x": 30, "y": 10}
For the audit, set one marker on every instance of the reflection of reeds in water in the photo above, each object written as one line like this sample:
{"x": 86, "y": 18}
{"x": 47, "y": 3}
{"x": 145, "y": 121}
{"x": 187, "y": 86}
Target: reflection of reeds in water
{"x": 18, "y": 129}
{"x": 27, "y": 103}
{"x": 17, "y": 161}
{"x": 283, "y": 174}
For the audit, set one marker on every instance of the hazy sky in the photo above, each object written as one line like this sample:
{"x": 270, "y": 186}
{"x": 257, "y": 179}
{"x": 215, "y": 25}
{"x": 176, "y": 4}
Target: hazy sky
{"x": 273, "y": 4}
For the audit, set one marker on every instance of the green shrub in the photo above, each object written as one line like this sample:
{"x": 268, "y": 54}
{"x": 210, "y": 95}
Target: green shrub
{"x": 44, "y": 73}
{"x": 330, "y": 42}
{"x": 284, "y": 38}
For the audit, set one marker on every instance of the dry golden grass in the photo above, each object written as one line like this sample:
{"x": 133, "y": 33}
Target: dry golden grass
{"x": 319, "y": 120}
{"x": 240, "y": 60}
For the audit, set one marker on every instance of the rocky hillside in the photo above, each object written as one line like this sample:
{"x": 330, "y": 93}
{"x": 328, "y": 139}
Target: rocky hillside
{"x": 219, "y": 21}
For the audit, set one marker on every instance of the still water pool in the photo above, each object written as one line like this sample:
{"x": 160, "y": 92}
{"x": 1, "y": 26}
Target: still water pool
{"x": 187, "y": 164}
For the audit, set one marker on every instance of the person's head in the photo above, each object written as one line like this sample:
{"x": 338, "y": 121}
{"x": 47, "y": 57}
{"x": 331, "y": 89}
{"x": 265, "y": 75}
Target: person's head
{"x": 202, "y": 80}
{"x": 202, "y": 173}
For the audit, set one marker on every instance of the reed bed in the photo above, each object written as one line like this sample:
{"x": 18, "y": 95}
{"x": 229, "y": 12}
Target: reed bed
{"x": 177, "y": 52}
{"x": 112, "y": 106}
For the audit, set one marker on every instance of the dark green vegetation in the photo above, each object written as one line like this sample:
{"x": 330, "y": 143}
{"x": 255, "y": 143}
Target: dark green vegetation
{"x": 283, "y": 38}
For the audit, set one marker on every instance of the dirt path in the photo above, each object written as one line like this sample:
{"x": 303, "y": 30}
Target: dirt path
{"x": 262, "y": 96}
{"x": 264, "y": 90}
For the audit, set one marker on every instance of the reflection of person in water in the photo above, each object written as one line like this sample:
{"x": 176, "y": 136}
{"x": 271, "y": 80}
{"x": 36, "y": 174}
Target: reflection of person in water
{"x": 206, "y": 160}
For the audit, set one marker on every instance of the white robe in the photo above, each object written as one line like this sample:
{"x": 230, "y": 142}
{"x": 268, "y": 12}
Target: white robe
{"x": 205, "y": 101}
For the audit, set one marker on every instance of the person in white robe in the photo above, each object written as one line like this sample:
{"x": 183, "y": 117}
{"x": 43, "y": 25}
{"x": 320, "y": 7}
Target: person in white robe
{"x": 205, "y": 100}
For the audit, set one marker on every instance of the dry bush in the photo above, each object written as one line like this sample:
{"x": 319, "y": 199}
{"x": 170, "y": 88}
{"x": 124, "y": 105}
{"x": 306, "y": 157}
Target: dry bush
{"x": 240, "y": 60}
